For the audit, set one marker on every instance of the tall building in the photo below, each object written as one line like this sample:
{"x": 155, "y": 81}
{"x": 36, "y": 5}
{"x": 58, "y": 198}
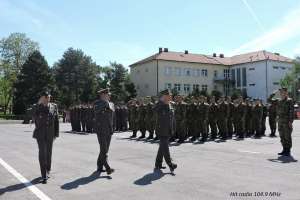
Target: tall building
{"x": 256, "y": 74}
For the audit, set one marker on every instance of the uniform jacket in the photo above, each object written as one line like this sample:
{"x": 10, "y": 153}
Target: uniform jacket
{"x": 104, "y": 117}
{"x": 46, "y": 121}
{"x": 285, "y": 110}
{"x": 165, "y": 124}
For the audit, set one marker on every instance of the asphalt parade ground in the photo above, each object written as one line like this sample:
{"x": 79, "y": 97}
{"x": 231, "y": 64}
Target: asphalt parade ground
{"x": 248, "y": 169}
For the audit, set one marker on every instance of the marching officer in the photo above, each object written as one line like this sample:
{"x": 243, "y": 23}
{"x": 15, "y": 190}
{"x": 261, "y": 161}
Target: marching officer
{"x": 285, "y": 114}
{"x": 164, "y": 129}
{"x": 46, "y": 120}
{"x": 104, "y": 127}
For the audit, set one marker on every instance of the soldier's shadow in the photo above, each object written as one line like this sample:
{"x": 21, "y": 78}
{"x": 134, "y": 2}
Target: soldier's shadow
{"x": 151, "y": 177}
{"x": 20, "y": 186}
{"x": 284, "y": 159}
{"x": 83, "y": 181}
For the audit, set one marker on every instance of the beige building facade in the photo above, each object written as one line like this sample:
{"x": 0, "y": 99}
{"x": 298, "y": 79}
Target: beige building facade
{"x": 185, "y": 72}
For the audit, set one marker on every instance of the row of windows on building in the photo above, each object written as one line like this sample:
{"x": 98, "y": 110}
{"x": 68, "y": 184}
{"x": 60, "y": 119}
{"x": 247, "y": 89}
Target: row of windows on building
{"x": 187, "y": 88}
{"x": 178, "y": 71}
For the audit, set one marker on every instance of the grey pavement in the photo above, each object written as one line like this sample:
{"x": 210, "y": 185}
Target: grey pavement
{"x": 213, "y": 170}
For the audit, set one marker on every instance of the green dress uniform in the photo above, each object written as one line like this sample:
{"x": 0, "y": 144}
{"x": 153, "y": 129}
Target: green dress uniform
{"x": 285, "y": 114}
{"x": 46, "y": 130}
{"x": 165, "y": 126}
{"x": 104, "y": 127}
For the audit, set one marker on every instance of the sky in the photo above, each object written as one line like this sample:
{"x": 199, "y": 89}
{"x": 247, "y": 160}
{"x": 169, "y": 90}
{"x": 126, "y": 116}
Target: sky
{"x": 126, "y": 31}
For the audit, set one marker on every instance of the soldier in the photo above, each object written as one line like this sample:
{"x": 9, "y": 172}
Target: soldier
{"x": 164, "y": 129}
{"x": 134, "y": 118}
{"x": 230, "y": 117}
{"x": 118, "y": 118}
{"x": 257, "y": 115}
{"x": 124, "y": 118}
{"x": 222, "y": 116}
{"x": 193, "y": 116}
{"x": 239, "y": 115}
{"x": 150, "y": 119}
{"x": 46, "y": 120}
{"x": 272, "y": 117}
{"x": 180, "y": 116}
{"x": 285, "y": 114}
{"x": 104, "y": 127}
{"x": 203, "y": 109}
{"x": 263, "y": 120}
{"x": 141, "y": 117}
{"x": 212, "y": 118}
{"x": 249, "y": 118}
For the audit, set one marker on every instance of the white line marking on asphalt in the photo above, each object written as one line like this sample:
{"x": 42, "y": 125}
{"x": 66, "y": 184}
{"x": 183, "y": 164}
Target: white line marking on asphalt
{"x": 23, "y": 180}
{"x": 245, "y": 151}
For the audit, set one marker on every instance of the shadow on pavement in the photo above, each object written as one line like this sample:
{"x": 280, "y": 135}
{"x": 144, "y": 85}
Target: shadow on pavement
{"x": 151, "y": 177}
{"x": 284, "y": 159}
{"x": 83, "y": 181}
{"x": 19, "y": 186}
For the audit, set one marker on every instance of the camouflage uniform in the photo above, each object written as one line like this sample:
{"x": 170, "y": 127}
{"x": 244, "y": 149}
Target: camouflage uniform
{"x": 203, "y": 109}
{"x": 134, "y": 119}
{"x": 193, "y": 116}
{"x": 180, "y": 117}
{"x": 223, "y": 113}
{"x": 249, "y": 120}
{"x": 285, "y": 114}
{"x": 212, "y": 118}
{"x": 142, "y": 122}
{"x": 150, "y": 119}
{"x": 257, "y": 114}
{"x": 239, "y": 118}
{"x": 263, "y": 120}
{"x": 272, "y": 117}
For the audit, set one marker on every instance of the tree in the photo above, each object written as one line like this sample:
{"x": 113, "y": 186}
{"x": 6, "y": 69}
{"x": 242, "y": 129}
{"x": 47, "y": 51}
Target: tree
{"x": 117, "y": 83}
{"x": 130, "y": 89}
{"x": 77, "y": 77}
{"x": 34, "y": 78}
{"x": 291, "y": 80}
{"x": 14, "y": 50}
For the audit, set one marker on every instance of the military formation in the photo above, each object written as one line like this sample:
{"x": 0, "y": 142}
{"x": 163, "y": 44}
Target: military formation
{"x": 82, "y": 118}
{"x": 200, "y": 118}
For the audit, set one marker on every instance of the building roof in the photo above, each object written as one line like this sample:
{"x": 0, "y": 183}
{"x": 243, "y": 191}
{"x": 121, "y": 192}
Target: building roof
{"x": 206, "y": 59}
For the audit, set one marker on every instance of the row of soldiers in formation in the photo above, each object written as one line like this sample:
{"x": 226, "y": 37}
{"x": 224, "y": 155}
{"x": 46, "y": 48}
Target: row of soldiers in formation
{"x": 196, "y": 119}
{"x": 82, "y": 118}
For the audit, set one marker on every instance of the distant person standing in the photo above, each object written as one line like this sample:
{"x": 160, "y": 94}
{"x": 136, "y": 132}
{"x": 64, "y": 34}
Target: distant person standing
{"x": 285, "y": 114}
{"x": 104, "y": 127}
{"x": 46, "y": 120}
{"x": 165, "y": 126}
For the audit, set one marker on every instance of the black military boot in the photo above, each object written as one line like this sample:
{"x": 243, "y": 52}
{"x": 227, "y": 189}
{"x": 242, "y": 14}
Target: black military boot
{"x": 143, "y": 135}
{"x": 193, "y": 138}
{"x": 159, "y": 167}
{"x": 282, "y": 152}
{"x": 150, "y": 136}
{"x": 287, "y": 152}
{"x": 172, "y": 167}
{"x": 110, "y": 171}
{"x": 133, "y": 134}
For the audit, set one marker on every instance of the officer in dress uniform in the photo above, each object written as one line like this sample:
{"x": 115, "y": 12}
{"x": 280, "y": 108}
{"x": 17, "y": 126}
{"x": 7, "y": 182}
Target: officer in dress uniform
{"x": 104, "y": 127}
{"x": 45, "y": 116}
{"x": 164, "y": 129}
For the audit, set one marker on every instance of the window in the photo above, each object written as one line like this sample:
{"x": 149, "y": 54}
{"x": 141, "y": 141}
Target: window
{"x": 204, "y": 72}
{"x": 238, "y": 78}
{"x": 283, "y": 68}
{"x": 198, "y": 72}
{"x": 226, "y": 73}
{"x": 233, "y": 74}
{"x": 275, "y": 67}
{"x": 204, "y": 87}
{"x": 168, "y": 86}
{"x": 275, "y": 83}
{"x": 177, "y": 87}
{"x": 244, "y": 75}
{"x": 186, "y": 88}
{"x": 177, "y": 71}
{"x": 168, "y": 71}
{"x": 215, "y": 73}
{"x": 252, "y": 84}
{"x": 251, "y": 69}
{"x": 187, "y": 72}
{"x": 196, "y": 87}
